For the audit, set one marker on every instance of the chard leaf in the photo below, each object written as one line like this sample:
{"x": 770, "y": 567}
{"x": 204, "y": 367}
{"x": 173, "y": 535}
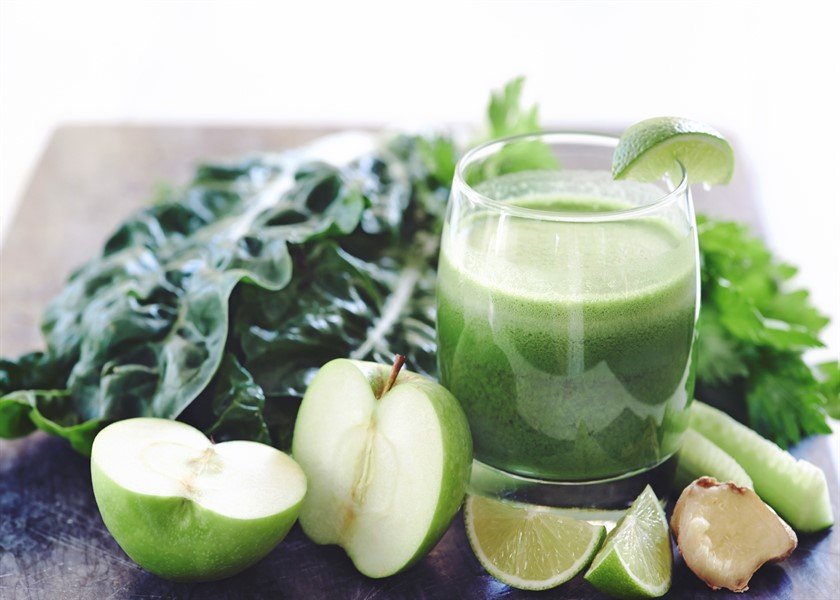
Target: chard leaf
{"x": 49, "y": 410}
{"x": 237, "y": 404}
{"x": 23, "y": 382}
{"x": 339, "y": 306}
{"x": 15, "y": 409}
{"x": 217, "y": 303}
{"x": 142, "y": 329}
{"x": 31, "y": 371}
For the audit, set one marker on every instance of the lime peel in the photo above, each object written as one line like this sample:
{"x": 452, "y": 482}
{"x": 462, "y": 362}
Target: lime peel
{"x": 635, "y": 560}
{"x": 529, "y": 547}
{"x": 652, "y": 148}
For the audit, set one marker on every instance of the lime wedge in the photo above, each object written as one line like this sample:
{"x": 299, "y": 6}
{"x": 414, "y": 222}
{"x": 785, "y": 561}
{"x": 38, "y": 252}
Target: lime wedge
{"x": 529, "y": 547}
{"x": 635, "y": 561}
{"x": 653, "y": 147}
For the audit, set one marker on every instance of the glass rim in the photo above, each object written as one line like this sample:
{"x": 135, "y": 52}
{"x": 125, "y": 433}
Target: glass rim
{"x": 559, "y": 137}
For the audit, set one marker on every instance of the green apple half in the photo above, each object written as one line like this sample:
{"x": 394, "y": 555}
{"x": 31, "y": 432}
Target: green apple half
{"x": 187, "y": 509}
{"x": 387, "y": 455}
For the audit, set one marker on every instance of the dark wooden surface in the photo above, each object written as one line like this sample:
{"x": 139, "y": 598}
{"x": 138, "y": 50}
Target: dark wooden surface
{"x": 53, "y": 544}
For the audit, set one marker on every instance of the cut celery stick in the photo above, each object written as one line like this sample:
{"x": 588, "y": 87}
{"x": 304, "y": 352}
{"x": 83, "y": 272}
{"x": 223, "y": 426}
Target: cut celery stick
{"x": 797, "y": 489}
{"x": 699, "y": 456}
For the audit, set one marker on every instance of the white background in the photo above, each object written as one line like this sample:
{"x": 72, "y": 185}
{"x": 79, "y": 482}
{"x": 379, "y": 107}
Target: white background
{"x": 766, "y": 73}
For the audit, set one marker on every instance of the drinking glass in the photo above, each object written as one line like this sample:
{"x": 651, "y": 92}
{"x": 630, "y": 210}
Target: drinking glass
{"x": 566, "y": 305}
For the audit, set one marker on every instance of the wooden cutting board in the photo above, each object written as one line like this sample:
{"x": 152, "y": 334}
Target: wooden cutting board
{"x": 53, "y": 544}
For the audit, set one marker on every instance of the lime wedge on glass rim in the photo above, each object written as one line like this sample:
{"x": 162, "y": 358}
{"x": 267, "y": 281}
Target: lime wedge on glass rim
{"x": 635, "y": 560}
{"x": 653, "y": 147}
{"x": 529, "y": 547}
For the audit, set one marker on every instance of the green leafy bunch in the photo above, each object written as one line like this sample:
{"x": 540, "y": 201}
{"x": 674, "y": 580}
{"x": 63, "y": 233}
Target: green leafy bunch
{"x": 753, "y": 331}
{"x": 217, "y": 304}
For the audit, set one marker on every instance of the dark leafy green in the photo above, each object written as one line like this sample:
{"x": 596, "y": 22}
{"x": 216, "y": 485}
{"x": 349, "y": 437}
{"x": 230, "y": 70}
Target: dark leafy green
{"x": 143, "y": 329}
{"x": 238, "y": 404}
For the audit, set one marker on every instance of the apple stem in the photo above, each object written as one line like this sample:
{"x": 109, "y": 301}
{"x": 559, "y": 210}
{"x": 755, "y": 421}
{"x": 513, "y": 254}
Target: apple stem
{"x": 399, "y": 361}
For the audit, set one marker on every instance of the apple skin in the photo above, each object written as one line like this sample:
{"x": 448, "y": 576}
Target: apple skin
{"x": 177, "y": 539}
{"x": 187, "y": 509}
{"x": 454, "y": 434}
{"x": 457, "y": 445}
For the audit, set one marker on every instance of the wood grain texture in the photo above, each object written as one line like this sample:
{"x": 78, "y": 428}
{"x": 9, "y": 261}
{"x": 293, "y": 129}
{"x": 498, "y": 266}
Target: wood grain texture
{"x": 53, "y": 544}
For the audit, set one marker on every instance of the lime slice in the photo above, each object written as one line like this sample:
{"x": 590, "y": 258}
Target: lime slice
{"x": 529, "y": 547}
{"x": 653, "y": 147}
{"x": 635, "y": 561}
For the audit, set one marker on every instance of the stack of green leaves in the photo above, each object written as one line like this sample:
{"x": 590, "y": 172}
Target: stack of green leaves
{"x": 217, "y": 304}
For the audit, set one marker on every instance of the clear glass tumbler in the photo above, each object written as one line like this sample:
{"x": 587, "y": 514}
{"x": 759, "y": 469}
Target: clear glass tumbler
{"x": 567, "y": 304}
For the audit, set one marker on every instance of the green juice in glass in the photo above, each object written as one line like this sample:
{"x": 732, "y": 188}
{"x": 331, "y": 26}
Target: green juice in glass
{"x": 568, "y": 344}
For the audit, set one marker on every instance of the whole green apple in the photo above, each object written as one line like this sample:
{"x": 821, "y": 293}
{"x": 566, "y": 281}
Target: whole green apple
{"x": 187, "y": 509}
{"x": 387, "y": 454}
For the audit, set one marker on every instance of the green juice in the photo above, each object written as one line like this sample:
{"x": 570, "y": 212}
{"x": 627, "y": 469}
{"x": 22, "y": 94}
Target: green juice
{"x": 568, "y": 344}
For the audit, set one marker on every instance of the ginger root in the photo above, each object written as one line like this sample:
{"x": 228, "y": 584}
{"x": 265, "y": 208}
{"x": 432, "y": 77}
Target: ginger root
{"x": 725, "y": 533}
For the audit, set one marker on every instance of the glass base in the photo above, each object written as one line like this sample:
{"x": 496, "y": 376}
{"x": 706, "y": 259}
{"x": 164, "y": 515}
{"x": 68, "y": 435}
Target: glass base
{"x": 596, "y": 500}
